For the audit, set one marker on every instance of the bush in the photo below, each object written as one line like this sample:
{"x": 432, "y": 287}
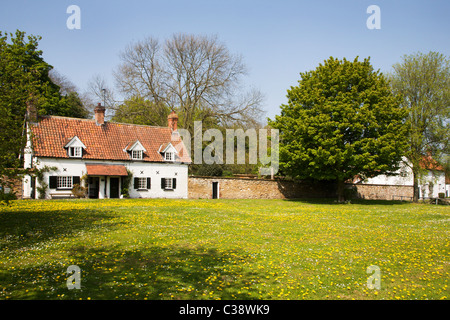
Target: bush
{"x": 441, "y": 195}
{"x": 79, "y": 191}
{"x": 5, "y": 198}
{"x": 210, "y": 170}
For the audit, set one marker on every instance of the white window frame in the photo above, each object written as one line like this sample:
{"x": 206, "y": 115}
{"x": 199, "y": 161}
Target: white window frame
{"x": 75, "y": 152}
{"x": 142, "y": 183}
{"x": 169, "y": 156}
{"x": 64, "y": 182}
{"x": 137, "y": 154}
{"x": 169, "y": 184}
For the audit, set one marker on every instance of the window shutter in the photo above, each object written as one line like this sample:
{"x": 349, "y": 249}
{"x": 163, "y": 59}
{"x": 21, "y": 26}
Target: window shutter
{"x": 149, "y": 183}
{"x": 163, "y": 183}
{"x": 53, "y": 183}
{"x": 174, "y": 183}
{"x": 136, "y": 183}
{"x": 76, "y": 180}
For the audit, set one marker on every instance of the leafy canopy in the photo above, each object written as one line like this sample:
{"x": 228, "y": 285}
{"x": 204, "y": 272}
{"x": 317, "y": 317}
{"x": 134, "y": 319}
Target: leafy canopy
{"x": 24, "y": 77}
{"x": 342, "y": 120}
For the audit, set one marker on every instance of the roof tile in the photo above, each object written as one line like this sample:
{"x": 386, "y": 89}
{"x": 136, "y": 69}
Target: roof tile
{"x": 104, "y": 142}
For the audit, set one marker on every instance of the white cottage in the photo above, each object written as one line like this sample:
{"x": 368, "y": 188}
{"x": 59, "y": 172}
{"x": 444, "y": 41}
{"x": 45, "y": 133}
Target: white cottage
{"x": 102, "y": 154}
{"x": 430, "y": 185}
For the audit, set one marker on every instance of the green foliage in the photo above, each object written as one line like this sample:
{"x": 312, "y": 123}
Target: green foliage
{"x": 5, "y": 198}
{"x": 40, "y": 174}
{"x": 79, "y": 192}
{"x": 342, "y": 120}
{"x": 209, "y": 170}
{"x": 138, "y": 110}
{"x": 126, "y": 184}
{"x": 71, "y": 105}
{"x": 423, "y": 81}
{"x": 24, "y": 77}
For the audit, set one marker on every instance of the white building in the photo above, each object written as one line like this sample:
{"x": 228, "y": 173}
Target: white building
{"x": 430, "y": 184}
{"x": 447, "y": 186}
{"x": 100, "y": 155}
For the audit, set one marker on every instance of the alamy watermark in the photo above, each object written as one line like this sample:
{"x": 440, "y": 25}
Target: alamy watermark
{"x": 74, "y": 20}
{"x": 258, "y": 150}
{"x": 74, "y": 279}
{"x": 374, "y": 281}
{"x": 374, "y": 20}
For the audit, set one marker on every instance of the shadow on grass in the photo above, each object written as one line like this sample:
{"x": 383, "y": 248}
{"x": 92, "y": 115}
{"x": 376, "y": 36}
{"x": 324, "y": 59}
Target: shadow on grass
{"x": 332, "y": 201}
{"x": 23, "y": 229}
{"x": 153, "y": 273}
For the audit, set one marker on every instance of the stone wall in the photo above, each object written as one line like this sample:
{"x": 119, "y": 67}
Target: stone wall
{"x": 15, "y": 187}
{"x": 382, "y": 192}
{"x": 243, "y": 188}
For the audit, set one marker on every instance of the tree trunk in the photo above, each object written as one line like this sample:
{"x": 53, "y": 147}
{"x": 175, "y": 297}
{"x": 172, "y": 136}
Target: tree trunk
{"x": 340, "y": 190}
{"x": 415, "y": 186}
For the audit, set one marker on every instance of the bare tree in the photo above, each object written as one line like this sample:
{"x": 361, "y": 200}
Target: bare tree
{"x": 195, "y": 75}
{"x": 65, "y": 85}
{"x": 100, "y": 92}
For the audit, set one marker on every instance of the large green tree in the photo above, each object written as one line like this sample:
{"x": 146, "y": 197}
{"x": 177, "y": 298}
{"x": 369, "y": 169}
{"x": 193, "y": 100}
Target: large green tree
{"x": 341, "y": 121}
{"x": 24, "y": 77}
{"x": 423, "y": 81}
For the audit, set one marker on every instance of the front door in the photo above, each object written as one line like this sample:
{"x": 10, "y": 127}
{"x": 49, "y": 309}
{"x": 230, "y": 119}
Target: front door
{"x": 94, "y": 187}
{"x": 114, "y": 187}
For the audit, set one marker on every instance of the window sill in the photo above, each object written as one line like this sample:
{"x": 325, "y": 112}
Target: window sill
{"x": 141, "y": 189}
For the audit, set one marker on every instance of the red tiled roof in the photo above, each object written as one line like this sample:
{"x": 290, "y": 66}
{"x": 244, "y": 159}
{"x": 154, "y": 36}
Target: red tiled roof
{"x": 106, "y": 170}
{"x": 103, "y": 142}
{"x": 430, "y": 164}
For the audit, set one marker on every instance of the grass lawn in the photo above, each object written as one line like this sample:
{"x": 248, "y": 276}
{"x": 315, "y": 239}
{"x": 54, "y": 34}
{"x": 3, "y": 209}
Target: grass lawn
{"x": 223, "y": 249}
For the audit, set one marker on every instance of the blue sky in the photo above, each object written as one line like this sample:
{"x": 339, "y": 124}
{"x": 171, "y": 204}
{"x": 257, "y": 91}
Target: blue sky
{"x": 277, "y": 39}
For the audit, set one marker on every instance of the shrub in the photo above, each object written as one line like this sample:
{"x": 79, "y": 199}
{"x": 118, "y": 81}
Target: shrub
{"x": 79, "y": 191}
{"x": 210, "y": 170}
{"x": 5, "y": 198}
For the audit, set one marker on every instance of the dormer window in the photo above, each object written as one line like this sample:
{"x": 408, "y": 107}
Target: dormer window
{"x": 135, "y": 150}
{"x": 168, "y": 152}
{"x": 168, "y": 156}
{"x": 75, "y": 152}
{"x": 75, "y": 148}
{"x": 136, "y": 154}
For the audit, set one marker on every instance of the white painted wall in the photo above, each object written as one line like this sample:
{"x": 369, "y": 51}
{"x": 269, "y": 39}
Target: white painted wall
{"x": 156, "y": 171}
{"x": 430, "y": 185}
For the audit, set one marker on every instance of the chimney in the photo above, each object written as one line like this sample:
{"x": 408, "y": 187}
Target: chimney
{"x": 172, "y": 119}
{"x": 31, "y": 111}
{"x": 99, "y": 114}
